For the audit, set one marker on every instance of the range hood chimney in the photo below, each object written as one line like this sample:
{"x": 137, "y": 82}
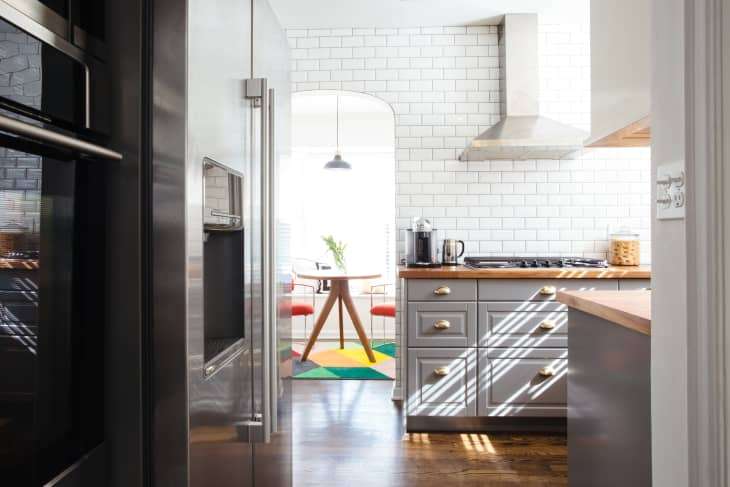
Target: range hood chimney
{"x": 523, "y": 133}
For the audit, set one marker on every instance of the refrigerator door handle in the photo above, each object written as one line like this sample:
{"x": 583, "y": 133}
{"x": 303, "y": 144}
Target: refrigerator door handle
{"x": 272, "y": 355}
{"x": 256, "y": 89}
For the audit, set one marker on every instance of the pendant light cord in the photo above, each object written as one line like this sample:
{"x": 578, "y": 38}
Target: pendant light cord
{"x": 337, "y": 150}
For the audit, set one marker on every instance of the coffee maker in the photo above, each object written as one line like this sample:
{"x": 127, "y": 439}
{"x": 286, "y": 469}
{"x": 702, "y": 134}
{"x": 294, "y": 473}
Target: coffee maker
{"x": 421, "y": 245}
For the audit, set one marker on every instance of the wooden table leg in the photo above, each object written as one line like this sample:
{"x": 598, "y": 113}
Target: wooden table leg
{"x": 342, "y": 326}
{"x": 319, "y": 324}
{"x": 345, "y": 296}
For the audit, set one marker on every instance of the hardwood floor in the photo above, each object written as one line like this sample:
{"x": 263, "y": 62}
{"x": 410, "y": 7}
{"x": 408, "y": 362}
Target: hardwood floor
{"x": 349, "y": 433}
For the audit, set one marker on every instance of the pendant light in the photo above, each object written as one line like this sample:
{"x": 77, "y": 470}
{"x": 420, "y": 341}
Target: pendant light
{"x": 338, "y": 162}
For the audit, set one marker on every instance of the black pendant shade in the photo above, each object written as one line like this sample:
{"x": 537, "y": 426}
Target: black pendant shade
{"x": 338, "y": 163}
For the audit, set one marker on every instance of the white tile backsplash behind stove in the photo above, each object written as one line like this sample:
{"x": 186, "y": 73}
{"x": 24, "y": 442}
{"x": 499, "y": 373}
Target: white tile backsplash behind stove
{"x": 443, "y": 86}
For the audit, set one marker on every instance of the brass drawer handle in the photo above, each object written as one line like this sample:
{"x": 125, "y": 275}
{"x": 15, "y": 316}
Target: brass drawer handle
{"x": 546, "y": 372}
{"x": 548, "y": 325}
{"x": 442, "y": 291}
{"x": 442, "y": 325}
{"x": 548, "y": 290}
{"x": 441, "y": 371}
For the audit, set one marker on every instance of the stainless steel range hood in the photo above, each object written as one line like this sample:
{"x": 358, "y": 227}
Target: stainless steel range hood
{"x": 523, "y": 133}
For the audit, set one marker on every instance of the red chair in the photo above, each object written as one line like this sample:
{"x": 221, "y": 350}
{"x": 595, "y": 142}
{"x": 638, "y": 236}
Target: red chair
{"x": 299, "y": 308}
{"x": 385, "y": 309}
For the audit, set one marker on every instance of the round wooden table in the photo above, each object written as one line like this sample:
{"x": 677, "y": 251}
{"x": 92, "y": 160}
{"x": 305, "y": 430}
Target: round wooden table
{"x": 340, "y": 292}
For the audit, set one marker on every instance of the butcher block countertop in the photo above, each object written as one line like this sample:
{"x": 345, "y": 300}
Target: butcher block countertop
{"x": 22, "y": 264}
{"x": 461, "y": 272}
{"x": 631, "y": 309}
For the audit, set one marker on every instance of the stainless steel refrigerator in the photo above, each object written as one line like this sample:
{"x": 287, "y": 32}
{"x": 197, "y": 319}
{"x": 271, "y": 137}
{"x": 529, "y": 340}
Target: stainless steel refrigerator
{"x": 216, "y": 370}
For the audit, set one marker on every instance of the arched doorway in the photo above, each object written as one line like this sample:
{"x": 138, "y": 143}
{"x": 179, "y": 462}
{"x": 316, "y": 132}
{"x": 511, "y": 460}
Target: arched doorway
{"x": 355, "y": 207}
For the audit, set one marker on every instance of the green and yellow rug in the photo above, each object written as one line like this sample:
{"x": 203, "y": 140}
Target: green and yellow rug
{"x": 328, "y": 361}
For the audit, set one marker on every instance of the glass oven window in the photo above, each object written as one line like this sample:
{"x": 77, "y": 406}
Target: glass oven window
{"x": 52, "y": 272}
{"x": 40, "y": 82}
{"x": 58, "y": 6}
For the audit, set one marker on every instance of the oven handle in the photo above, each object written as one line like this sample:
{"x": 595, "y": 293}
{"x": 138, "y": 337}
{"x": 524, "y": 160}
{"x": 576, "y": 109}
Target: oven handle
{"x": 39, "y": 134}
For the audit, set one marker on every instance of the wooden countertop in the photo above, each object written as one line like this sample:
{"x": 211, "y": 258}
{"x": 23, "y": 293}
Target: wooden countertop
{"x": 631, "y": 309}
{"x": 461, "y": 272}
{"x": 22, "y": 264}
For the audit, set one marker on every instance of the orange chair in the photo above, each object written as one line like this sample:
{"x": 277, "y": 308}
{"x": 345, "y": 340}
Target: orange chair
{"x": 386, "y": 309}
{"x": 299, "y": 308}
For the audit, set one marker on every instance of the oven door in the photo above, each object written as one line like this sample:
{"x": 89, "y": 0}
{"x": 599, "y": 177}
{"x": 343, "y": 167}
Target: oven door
{"x": 52, "y": 269}
{"x": 52, "y": 312}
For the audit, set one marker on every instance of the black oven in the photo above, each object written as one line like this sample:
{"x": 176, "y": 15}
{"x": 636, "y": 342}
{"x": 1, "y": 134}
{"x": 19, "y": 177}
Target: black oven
{"x": 53, "y": 310}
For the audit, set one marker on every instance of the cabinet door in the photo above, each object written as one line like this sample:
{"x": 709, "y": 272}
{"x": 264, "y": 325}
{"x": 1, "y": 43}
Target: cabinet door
{"x": 523, "y": 382}
{"x": 442, "y": 324}
{"x": 441, "y": 382}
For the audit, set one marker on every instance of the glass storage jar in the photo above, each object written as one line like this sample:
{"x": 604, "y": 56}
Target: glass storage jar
{"x": 624, "y": 248}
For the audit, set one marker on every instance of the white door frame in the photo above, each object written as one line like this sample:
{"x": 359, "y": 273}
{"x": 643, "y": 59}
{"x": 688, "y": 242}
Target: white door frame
{"x": 707, "y": 81}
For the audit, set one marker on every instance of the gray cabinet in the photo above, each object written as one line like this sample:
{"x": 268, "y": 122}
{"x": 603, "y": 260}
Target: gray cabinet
{"x": 448, "y": 324}
{"x": 442, "y": 290}
{"x": 489, "y": 347}
{"x": 442, "y": 382}
{"x": 634, "y": 284}
{"x": 537, "y": 289}
{"x": 522, "y": 382}
{"x": 543, "y": 325}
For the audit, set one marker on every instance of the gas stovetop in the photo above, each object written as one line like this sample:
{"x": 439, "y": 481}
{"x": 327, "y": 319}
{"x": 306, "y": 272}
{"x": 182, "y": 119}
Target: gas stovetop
{"x": 531, "y": 262}
{"x": 21, "y": 254}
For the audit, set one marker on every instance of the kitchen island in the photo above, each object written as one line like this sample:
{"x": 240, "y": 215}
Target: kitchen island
{"x": 487, "y": 349}
{"x": 609, "y": 395}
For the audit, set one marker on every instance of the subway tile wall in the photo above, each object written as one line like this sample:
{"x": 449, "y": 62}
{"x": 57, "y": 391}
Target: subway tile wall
{"x": 443, "y": 85}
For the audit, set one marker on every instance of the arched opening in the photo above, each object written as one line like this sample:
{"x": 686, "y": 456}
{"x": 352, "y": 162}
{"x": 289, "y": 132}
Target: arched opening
{"x": 355, "y": 207}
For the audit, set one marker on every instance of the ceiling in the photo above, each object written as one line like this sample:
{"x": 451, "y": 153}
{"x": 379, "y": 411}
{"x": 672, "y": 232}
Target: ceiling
{"x": 408, "y": 13}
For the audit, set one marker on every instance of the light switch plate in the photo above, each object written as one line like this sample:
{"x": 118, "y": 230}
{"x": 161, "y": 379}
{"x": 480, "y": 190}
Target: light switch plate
{"x": 671, "y": 197}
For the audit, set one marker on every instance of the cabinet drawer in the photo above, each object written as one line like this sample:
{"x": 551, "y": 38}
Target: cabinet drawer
{"x": 523, "y": 382}
{"x": 442, "y": 290}
{"x": 448, "y": 324}
{"x": 442, "y": 382}
{"x": 538, "y": 289}
{"x": 633, "y": 284}
{"x": 543, "y": 325}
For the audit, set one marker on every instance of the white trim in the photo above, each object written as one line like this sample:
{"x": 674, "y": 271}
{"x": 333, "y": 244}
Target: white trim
{"x": 708, "y": 223}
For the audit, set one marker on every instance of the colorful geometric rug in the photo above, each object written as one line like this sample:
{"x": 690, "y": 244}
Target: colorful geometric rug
{"x": 328, "y": 361}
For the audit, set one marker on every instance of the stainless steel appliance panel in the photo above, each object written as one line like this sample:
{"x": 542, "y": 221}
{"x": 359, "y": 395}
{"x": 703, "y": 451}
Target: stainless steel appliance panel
{"x": 219, "y": 125}
{"x": 125, "y": 336}
{"x": 170, "y": 266}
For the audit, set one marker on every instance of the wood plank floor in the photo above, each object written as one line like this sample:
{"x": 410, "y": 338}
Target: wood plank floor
{"x": 349, "y": 433}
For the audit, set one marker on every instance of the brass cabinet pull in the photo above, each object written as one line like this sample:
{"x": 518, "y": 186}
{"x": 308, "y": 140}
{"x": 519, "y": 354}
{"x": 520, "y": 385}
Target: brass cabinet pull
{"x": 209, "y": 369}
{"x": 546, "y": 372}
{"x": 442, "y": 291}
{"x": 548, "y": 290}
{"x": 441, "y": 371}
{"x": 442, "y": 325}
{"x": 547, "y": 324}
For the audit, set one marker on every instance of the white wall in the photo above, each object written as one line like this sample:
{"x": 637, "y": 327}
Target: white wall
{"x": 669, "y": 273}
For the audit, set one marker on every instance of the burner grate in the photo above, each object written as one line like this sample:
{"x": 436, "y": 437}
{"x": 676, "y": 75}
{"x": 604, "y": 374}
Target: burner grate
{"x": 532, "y": 262}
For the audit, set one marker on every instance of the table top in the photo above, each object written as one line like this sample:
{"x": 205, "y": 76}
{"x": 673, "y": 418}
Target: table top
{"x": 337, "y": 275}
{"x": 631, "y": 309}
